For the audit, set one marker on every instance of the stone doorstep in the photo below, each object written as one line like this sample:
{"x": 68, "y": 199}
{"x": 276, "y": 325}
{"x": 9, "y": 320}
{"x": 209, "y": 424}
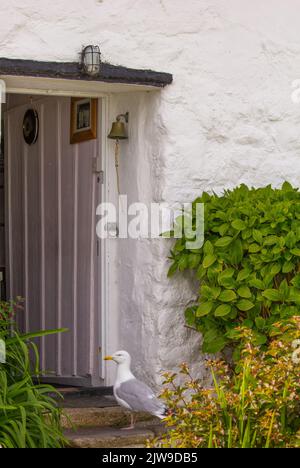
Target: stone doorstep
{"x": 87, "y": 401}
{"x": 101, "y": 426}
{"x": 108, "y": 437}
{"x": 113, "y": 416}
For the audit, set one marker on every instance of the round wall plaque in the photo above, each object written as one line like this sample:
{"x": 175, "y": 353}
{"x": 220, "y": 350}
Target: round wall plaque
{"x": 30, "y": 126}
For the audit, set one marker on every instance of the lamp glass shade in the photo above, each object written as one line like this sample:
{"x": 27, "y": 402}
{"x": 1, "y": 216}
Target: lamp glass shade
{"x": 91, "y": 60}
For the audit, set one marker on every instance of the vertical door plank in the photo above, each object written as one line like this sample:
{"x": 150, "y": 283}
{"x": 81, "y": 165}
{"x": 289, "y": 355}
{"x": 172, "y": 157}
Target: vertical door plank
{"x": 33, "y": 241}
{"x": 86, "y": 152}
{"x": 15, "y": 217}
{"x": 50, "y": 220}
{"x": 67, "y": 237}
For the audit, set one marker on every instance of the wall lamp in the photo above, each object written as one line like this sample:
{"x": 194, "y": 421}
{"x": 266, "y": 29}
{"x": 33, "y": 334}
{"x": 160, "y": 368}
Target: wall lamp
{"x": 91, "y": 60}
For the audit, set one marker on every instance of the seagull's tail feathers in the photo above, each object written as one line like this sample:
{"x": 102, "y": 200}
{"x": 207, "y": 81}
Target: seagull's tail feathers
{"x": 163, "y": 413}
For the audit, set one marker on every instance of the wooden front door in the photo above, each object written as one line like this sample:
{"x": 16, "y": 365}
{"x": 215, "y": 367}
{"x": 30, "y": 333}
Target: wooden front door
{"x": 52, "y": 194}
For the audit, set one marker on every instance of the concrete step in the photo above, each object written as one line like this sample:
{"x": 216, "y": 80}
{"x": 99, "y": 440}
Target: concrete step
{"x": 113, "y": 416}
{"x": 112, "y": 437}
{"x": 87, "y": 401}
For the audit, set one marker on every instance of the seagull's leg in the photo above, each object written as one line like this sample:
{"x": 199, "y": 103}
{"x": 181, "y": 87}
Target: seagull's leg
{"x": 134, "y": 418}
{"x": 132, "y": 422}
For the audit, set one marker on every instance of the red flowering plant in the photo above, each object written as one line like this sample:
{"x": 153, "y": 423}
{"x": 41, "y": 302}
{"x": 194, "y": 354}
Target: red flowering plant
{"x": 256, "y": 405}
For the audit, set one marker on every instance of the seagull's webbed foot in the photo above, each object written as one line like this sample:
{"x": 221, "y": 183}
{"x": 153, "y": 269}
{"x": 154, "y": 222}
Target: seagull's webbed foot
{"x": 132, "y": 423}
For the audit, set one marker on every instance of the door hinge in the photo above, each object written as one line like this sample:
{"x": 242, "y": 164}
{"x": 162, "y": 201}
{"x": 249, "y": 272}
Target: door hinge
{"x": 100, "y": 177}
{"x": 96, "y": 165}
{"x": 97, "y": 170}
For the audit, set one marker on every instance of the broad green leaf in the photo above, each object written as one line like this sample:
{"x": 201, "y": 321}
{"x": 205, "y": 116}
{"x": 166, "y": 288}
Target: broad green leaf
{"x": 248, "y": 323}
{"x": 223, "y": 229}
{"x": 244, "y": 305}
{"x": 223, "y": 241}
{"x": 257, "y": 236}
{"x": 208, "y": 248}
{"x": 214, "y": 346}
{"x": 286, "y": 187}
{"x": 271, "y": 240}
{"x": 205, "y": 291}
{"x": 222, "y": 310}
{"x": 296, "y": 252}
{"x": 294, "y": 295}
{"x": 256, "y": 283}
{"x": 228, "y": 283}
{"x": 209, "y": 260}
{"x": 201, "y": 272}
{"x": 260, "y": 339}
{"x": 210, "y": 292}
{"x": 194, "y": 260}
{"x": 172, "y": 269}
{"x": 227, "y": 296}
{"x": 183, "y": 262}
{"x": 288, "y": 267}
{"x": 253, "y": 248}
{"x": 225, "y": 278}
{"x": 246, "y": 234}
{"x": 215, "y": 291}
{"x": 204, "y": 309}
{"x": 287, "y": 256}
{"x": 236, "y": 252}
{"x": 275, "y": 269}
{"x": 290, "y": 240}
{"x": 244, "y": 291}
{"x": 238, "y": 224}
{"x": 225, "y": 274}
{"x": 179, "y": 246}
{"x": 190, "y": 316}
{"x": 167, "y": 234}
{"x": 284, "y": 290}
{"x": 260, "y": 322}
{"x": 234, "y": 313}
{"x": 243, "y": 274}
{"x": 271, "y": 294}
{"x": 211, "y": 335}
{"x": 296, "y": 281}
{"x": 233, "y": 334}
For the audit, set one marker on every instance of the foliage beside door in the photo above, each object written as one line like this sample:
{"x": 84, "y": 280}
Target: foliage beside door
{"x": 29, "y": 416}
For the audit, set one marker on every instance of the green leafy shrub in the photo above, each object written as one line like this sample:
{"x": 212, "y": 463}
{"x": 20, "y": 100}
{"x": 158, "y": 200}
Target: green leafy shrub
{"x": 29, "y": 416}
{"x": 256, "y": 407}
{"x": 248, "y": 266}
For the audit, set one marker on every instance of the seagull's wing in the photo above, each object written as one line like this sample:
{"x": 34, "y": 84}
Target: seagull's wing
{"x": 140, "y": 397}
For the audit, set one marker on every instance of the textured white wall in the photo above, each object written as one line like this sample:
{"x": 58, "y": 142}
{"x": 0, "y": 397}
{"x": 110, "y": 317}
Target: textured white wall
{"x": 147, "y": 307}
{"x": 228, "y": 118}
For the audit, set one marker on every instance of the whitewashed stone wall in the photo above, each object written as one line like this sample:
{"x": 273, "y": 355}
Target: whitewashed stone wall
{"x": 228, "y": 118}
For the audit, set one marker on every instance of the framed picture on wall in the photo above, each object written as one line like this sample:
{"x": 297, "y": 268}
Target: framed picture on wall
{"x": 83, "y": 125}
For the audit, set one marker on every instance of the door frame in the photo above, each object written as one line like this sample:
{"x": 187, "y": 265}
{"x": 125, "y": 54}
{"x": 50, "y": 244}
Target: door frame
{"x": 68, "y": 89}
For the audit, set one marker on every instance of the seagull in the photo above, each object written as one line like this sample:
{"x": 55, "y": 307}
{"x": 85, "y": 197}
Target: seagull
{"x": 131, "y": 393}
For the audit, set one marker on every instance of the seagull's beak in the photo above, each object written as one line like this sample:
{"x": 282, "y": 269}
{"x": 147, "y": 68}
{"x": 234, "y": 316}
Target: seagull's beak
{"x": 108, "y": 358}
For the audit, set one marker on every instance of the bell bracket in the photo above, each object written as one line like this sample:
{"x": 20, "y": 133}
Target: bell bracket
{"x": 125, "y": 116}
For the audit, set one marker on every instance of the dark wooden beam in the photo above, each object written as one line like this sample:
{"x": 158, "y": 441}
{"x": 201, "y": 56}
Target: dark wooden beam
{"x": 71, "y": 71}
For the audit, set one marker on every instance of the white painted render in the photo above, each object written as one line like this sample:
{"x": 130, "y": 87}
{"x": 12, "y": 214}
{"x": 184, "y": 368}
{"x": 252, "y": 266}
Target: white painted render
{"x": 227, "y": 118}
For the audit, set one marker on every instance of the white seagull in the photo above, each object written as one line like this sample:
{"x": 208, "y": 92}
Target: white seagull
{"x": 131, "y": 393}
